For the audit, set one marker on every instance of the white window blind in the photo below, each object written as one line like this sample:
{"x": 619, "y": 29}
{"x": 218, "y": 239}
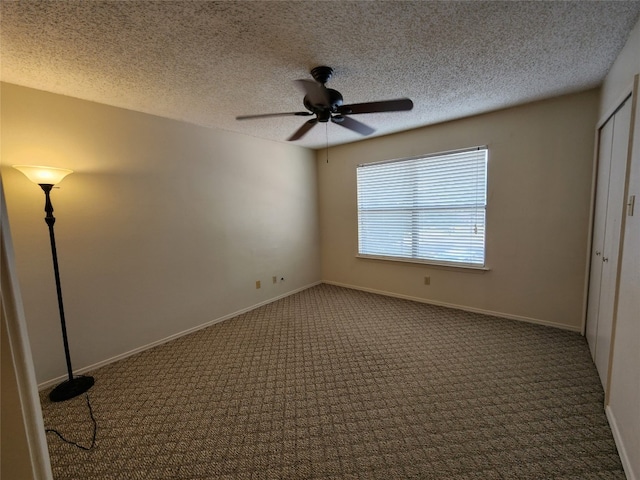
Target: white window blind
{"x": 429, "y": 208}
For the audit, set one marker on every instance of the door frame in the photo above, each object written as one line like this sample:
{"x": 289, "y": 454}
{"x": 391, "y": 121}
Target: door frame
{"x": 13, "y": 320}
{"x": 629, "y": 91}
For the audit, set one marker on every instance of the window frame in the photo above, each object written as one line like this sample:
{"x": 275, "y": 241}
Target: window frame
{"x": 428, "y": 261}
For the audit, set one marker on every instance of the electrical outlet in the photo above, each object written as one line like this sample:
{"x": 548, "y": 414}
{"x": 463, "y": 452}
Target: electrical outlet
{"x": 257, "y": 283}
{"x": 274, "y": 279}
{"x": 427, "y": 280}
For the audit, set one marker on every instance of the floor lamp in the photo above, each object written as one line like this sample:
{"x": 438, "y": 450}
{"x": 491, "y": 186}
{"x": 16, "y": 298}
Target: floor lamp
{"x": 47, "y": 177}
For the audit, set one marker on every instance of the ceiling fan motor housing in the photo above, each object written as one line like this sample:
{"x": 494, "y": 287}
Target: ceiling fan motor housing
{"x": 324, "y": 111}
{"x": 335, "y": 99}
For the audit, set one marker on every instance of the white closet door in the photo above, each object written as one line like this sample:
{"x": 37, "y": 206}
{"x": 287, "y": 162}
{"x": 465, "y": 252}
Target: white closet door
{"x": 605, "y": 141}
{"x": 612, "y": 238}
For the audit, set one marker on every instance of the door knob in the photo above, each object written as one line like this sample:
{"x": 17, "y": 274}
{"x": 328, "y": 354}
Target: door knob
{"x": 605, "y": 259}
{"x": 597, "y": 253}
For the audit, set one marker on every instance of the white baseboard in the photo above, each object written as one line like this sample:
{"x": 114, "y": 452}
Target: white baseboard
{"x": 622, "y": 451}
{"x": 55, "y": 381}
{"x": 80, "y": 371}
{"x": 458, "y": 307}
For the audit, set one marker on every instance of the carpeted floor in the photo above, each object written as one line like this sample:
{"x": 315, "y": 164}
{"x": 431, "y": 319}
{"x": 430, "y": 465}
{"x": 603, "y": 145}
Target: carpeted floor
{"x": 337, "y": 383}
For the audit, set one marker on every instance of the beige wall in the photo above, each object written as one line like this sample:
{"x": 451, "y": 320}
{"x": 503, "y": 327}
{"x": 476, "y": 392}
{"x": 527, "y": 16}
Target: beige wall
{"x": 539, "y": 182}
{"x": 620, "y": 77}
{"x": 623, "y": 393}
{"x": 164, "y": 226}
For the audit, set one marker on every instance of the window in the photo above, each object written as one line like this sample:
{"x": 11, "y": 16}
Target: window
{"x": 428, "y": 209}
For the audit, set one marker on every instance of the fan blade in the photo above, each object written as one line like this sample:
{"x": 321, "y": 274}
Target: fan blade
{"x": 306, "y": 126}
{"x": 316, "y": 94}
{"x": 354, "y": 125}
{"x": 268, "y": 115}
{"x": 398, "y": 105}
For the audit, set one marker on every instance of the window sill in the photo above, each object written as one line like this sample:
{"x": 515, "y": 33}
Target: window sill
{"x": 430, "y": 263}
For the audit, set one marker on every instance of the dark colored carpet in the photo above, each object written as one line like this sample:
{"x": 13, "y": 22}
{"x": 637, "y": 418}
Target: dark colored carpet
{"x": 337, "y": 383}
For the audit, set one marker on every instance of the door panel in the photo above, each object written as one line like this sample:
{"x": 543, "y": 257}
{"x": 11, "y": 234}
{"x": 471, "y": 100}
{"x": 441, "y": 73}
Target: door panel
{"x": 612, "y": 237}
{"x": 605, "y": 141}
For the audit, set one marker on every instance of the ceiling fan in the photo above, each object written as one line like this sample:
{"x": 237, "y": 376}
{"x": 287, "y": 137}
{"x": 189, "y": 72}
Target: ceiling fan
{"x": 326, "y": 104}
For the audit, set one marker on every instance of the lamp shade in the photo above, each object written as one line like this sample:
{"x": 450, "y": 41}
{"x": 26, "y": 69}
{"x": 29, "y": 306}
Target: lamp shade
{"x": 43, "y": 175}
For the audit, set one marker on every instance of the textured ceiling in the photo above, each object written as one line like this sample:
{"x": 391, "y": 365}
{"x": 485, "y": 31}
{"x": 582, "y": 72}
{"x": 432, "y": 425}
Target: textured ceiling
{"x": 206, "y": 62}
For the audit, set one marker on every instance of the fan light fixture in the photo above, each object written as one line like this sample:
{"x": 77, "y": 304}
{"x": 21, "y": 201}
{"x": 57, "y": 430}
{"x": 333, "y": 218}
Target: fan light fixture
{"x": 47, "y": 177}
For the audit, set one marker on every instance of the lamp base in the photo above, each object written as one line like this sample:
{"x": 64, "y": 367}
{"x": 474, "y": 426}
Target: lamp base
{"x": 71, "y": 388}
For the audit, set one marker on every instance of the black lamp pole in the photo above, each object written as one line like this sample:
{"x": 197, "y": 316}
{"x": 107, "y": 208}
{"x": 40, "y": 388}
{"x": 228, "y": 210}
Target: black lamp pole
{"x": 74, "y": 386}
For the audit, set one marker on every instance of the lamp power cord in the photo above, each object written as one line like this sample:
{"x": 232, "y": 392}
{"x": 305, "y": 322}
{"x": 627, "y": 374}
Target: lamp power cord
{"x": 95, "y": 430}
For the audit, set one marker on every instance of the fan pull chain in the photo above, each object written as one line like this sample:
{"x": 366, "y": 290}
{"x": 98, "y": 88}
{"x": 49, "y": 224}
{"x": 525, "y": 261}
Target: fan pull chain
{"x": 326, "y": 132}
